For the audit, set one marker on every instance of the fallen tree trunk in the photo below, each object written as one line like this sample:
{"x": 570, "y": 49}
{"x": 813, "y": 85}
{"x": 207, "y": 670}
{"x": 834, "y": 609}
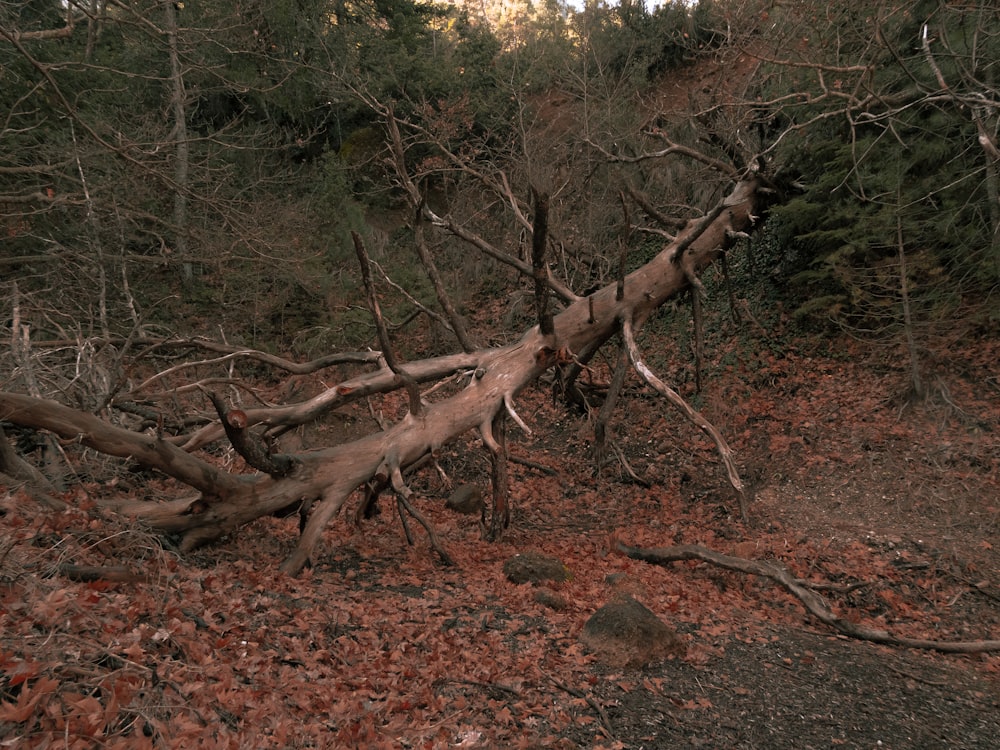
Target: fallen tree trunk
{"x": 329, "y": 476}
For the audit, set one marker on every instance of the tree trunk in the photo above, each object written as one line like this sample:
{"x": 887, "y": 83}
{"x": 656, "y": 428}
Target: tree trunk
{"x": 330, "y": 475}
{"x": 178, "y": 108}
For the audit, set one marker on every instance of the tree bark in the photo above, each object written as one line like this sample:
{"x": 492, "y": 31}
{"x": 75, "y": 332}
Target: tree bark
{"x": 178, "y": 108}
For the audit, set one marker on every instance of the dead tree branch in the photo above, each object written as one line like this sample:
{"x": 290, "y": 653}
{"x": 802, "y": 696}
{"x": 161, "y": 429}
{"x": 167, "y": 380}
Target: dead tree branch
{"x": 539, "y": 235}
{"x": 693, "y": 416}
{"x": 815, "y": 604}
{"x": 88, "y": 430}
{"x": 248, "y": 444}
{"x": 607, "y": 409}
{"x": 427, "y": 261}
{"x": 383, "y": 333}
{"x": 499, "y": 480}
{"x": 671, "y": 148}
{"x": 463, "y": 233}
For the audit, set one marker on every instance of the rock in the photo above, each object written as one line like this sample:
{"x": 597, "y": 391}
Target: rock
{"x": 467, "y": 499}
{"x": 624, "y": 633}
{"x": 551, "y": 599}
{"x": 534, "y": 567}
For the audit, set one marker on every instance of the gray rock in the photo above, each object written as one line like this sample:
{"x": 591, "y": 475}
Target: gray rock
{"x": 534, "y": 567}
{"x": 624, "y": 633}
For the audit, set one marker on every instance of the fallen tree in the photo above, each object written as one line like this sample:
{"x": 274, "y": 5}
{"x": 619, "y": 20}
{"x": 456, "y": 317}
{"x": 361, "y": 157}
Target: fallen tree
{"x": 321, "y": 481}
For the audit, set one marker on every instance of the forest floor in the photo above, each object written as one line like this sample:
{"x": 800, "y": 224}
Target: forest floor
{"x": 380, "y": 645}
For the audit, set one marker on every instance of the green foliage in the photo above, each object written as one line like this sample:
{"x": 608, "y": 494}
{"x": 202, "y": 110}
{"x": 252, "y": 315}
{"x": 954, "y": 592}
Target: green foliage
{"x": 633, "y": 42}
{"x": 287, "y": 155}
{"x": 911, "y": 174}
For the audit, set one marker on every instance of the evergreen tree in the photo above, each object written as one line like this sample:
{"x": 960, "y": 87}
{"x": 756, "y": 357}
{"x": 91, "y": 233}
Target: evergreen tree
{"x": 903, "y": 155}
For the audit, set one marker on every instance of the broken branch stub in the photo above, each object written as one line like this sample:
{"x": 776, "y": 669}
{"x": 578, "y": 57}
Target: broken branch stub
{"x": 539, "y": 236}
{"x": 248, "y": 444}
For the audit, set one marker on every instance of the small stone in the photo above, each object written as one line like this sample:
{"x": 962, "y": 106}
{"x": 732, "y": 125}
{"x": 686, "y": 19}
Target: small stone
{"x": 551, "y": 599}
{"x": 466, "y": 499}
{"x": 535, "y": 567}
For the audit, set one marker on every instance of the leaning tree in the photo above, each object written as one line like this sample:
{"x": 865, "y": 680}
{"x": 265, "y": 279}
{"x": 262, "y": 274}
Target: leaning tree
{"x": 428, "y": 148}
{"x": 569, "y": 331}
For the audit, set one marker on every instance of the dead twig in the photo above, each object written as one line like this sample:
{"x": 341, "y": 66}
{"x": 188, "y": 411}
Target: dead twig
{"x": 627, "y": 467}
{"x": 532, "y": 465}
{"x": 598, "y": 708}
